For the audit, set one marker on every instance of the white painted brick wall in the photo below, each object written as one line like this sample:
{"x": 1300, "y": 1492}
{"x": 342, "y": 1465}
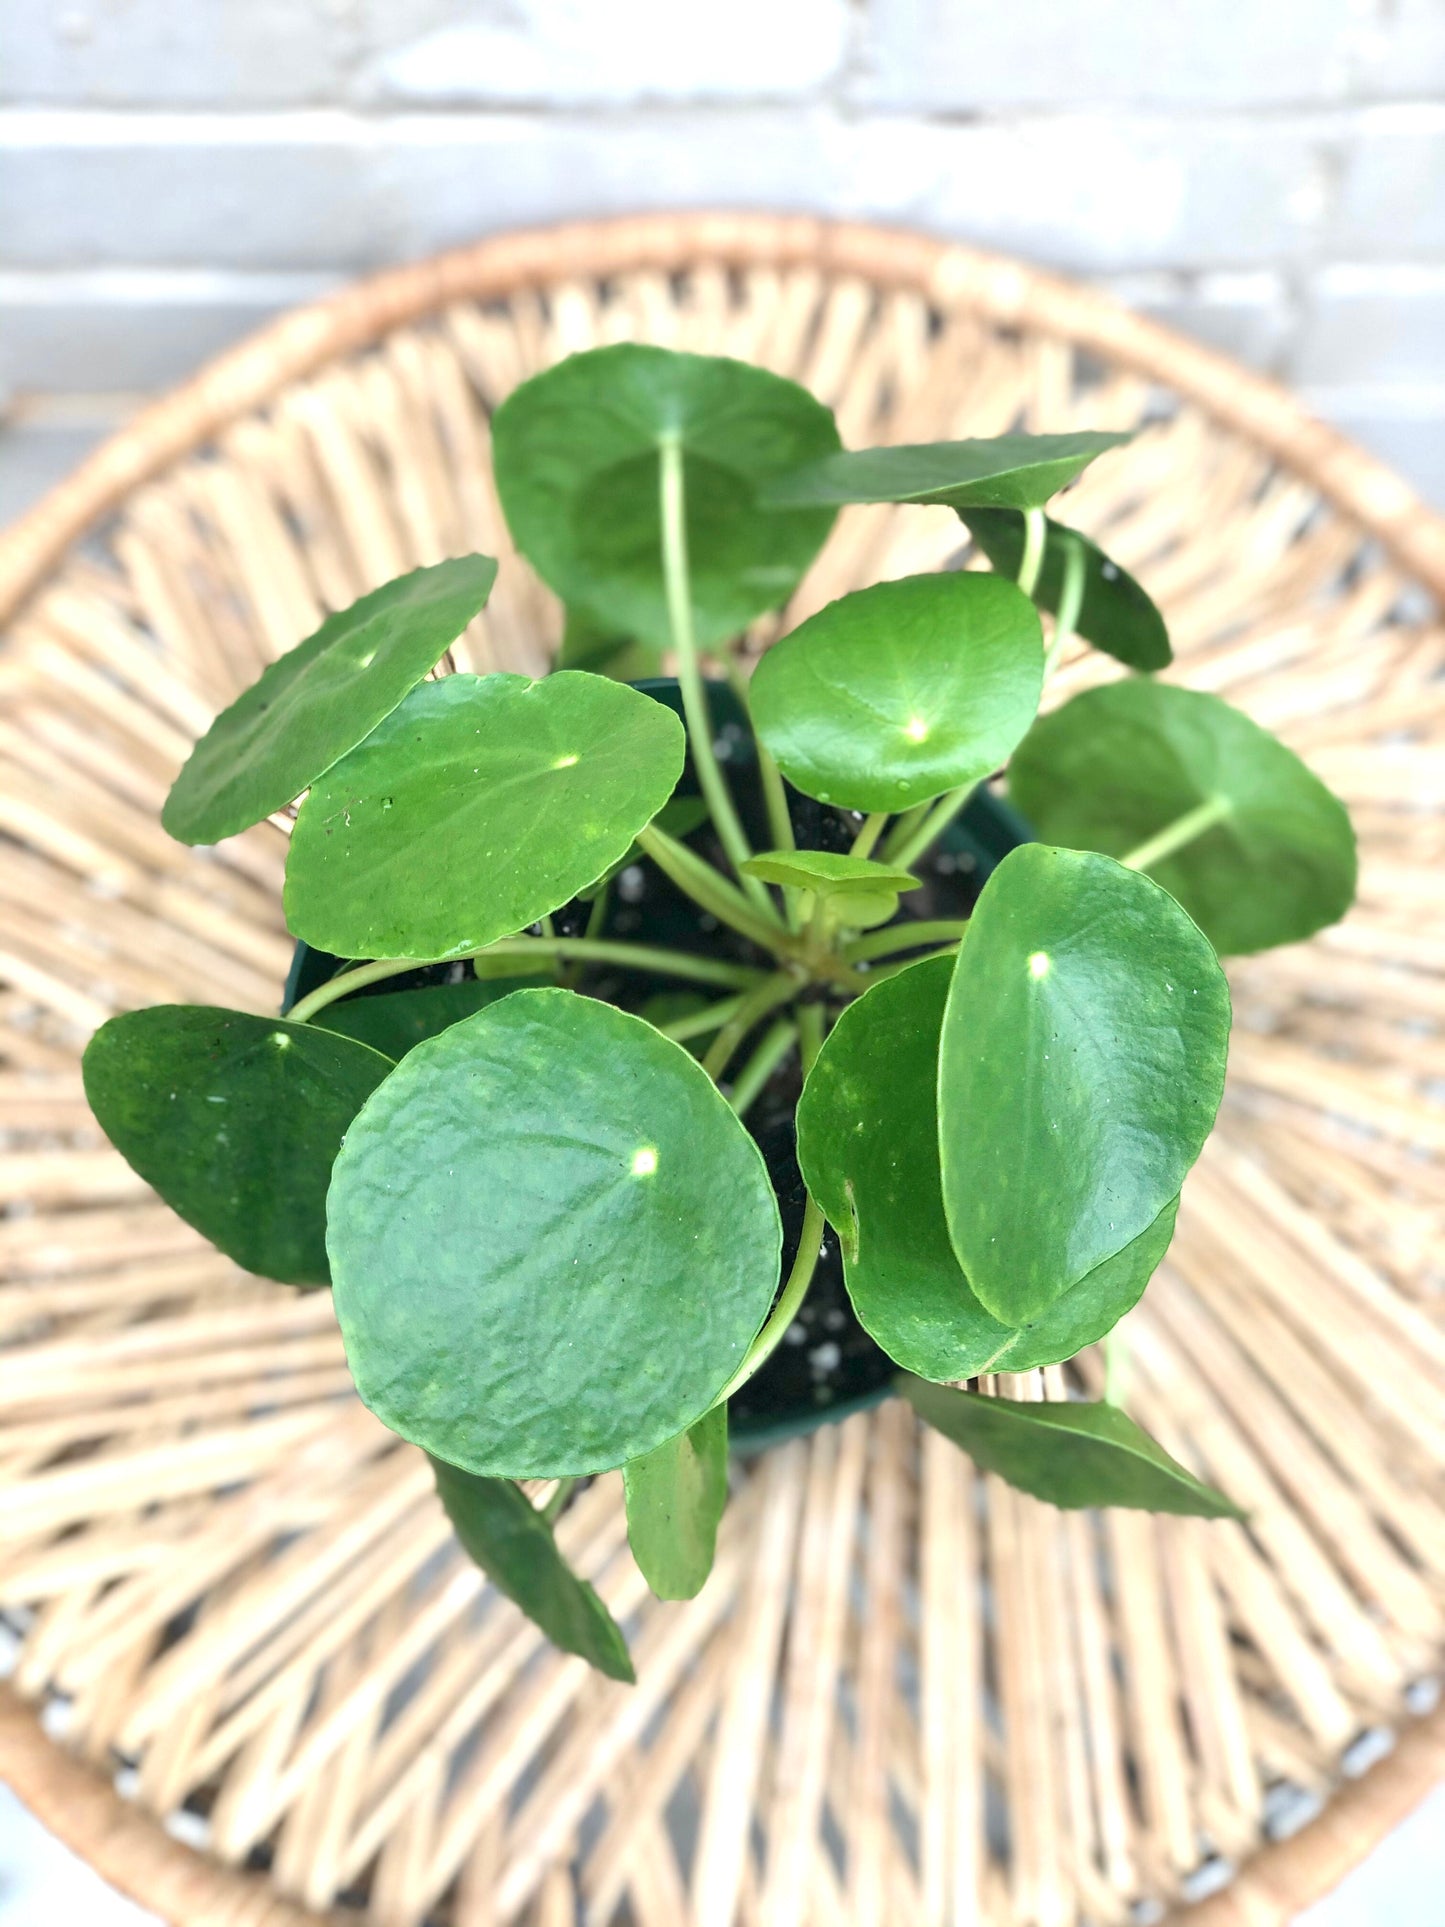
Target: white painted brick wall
{"x": 1266, "y": 174}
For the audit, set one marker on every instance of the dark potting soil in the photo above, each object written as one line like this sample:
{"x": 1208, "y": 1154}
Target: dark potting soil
{"x": 827, "y": 1366}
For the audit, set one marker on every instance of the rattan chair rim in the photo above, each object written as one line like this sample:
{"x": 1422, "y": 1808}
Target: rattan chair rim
{"x": 1006, "y": 291}
{"x": 124, "y": 1844}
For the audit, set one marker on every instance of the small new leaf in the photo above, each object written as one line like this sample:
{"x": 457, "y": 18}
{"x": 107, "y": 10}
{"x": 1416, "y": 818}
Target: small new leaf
{"x": 675, "y": 1497}
{"x": 830, "y": 873}
{"x": 1068, "y": 1454}
{"x": 1004, "y": 471}
{"x": 513, "y": 1544}
{"x": 322, "y": 698}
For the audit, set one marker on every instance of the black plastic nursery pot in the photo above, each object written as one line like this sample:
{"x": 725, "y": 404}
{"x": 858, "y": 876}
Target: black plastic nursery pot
{"x": 827, "y": 1366}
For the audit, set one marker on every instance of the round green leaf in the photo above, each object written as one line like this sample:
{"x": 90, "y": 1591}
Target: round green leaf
{"x": 481, "y": 804}
{"x": 675, "y": 1497}
{"x": 396, "y": 1021}
{"x": 1003, "y": 471}
{"x": 1069, "y": 1454}
{"x": 1080, "y": 1069}
{"x": 508, "y": 1538}
{"x": 552, "y": 1242}
{"x": 1116, "y": 614}
{"x": 236, "y": 1121}
{"x": 868, "y": 1148}
{"x": 830, "y": 873}
{"x": 860, "y": 909}
{"x": 576, "y": 452}
{"x": 897, "y": 693}
{"x": 322, "y": 698}
{"x": 1117, "y": 765}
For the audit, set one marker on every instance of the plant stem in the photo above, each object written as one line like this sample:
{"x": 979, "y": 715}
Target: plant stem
{"x": 1071, "y": 600}
{"x": 786, "y": 1309}
{"x": 558, "y": 1499}
{"x": 1174, "y": 836}
{"x": 867, "y": 837}
{"x": 904, "y": 936}
{"x": 1035, "y": 533}
{"x": 932, "y": 827}
{"x": 700, "y": 1022}
{"x": 759, "y": 1003}
{"x": 714, "y": 892}
{"x": 780, "y": 822}
{"x": 778, "y": 1040}
{"x": 725, "y": 818}
{"x": 903, "y": 829}
{"x": 1116, "y": 1366}
{"x": 706, "y": 886}
{"x": 810, "y": 1035}
{"x": 597, "y": 915}
{"x": 624, "y": 956}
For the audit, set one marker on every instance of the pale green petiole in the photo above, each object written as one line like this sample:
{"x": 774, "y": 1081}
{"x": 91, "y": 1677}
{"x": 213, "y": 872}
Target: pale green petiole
{"x": 866, "y": 839}
{"x": 706, "y": 886}
{"x": 778, "y": 1040}
{"x": 1071, "y": 600}
{"x": 904, "y": 936}
{"x": 810, "y": 1035}
{"x": 699, "y": 1022}
{"x": 1036, "y": 530}
{"x": 716, "y": 795}
{"x": 759, "y": 1003}
{"x": 1116, "y": 1366}
{"x": 1174, "y": 836}
{"x": 786, "y": 1309}
{"x": 932, "y": 827}
{"x": 625, "y": 956}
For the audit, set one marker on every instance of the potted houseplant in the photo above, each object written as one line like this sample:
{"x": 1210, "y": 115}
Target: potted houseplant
{"x": 636, "y": 1022}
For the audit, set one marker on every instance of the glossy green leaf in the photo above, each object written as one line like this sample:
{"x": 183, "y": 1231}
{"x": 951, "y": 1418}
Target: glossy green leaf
{"x": 1118, "y": 765}
{"x": 322, "y": 698}
{"x": 588, "y": 643}
{"x": 236, "y": 1121}
{"x": 513, "y": 1544}
{"x": 678, "y": 817}
{"x": 396, "y": 1021}
{"x": 868, "y": 1148}
{"x": 860, "y": 909}
{"x": 1080, "y": 1069}
{"x": 1067, "y": 1454}
{"x": 897, "y": 693}
{"x": 1116, "y": 614}
{"x": 1003, "y": 471}
{"x": 576, "y": 457}
{"x": 481, "y": 804}
{"x": 675, "y": 1497}
{"x": 552, "y": 1242}
{"x": 830, "y": 873}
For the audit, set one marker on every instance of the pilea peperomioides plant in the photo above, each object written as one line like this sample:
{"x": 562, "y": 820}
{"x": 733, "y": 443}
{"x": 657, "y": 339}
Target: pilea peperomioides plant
{"x": 567, "y": 939}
